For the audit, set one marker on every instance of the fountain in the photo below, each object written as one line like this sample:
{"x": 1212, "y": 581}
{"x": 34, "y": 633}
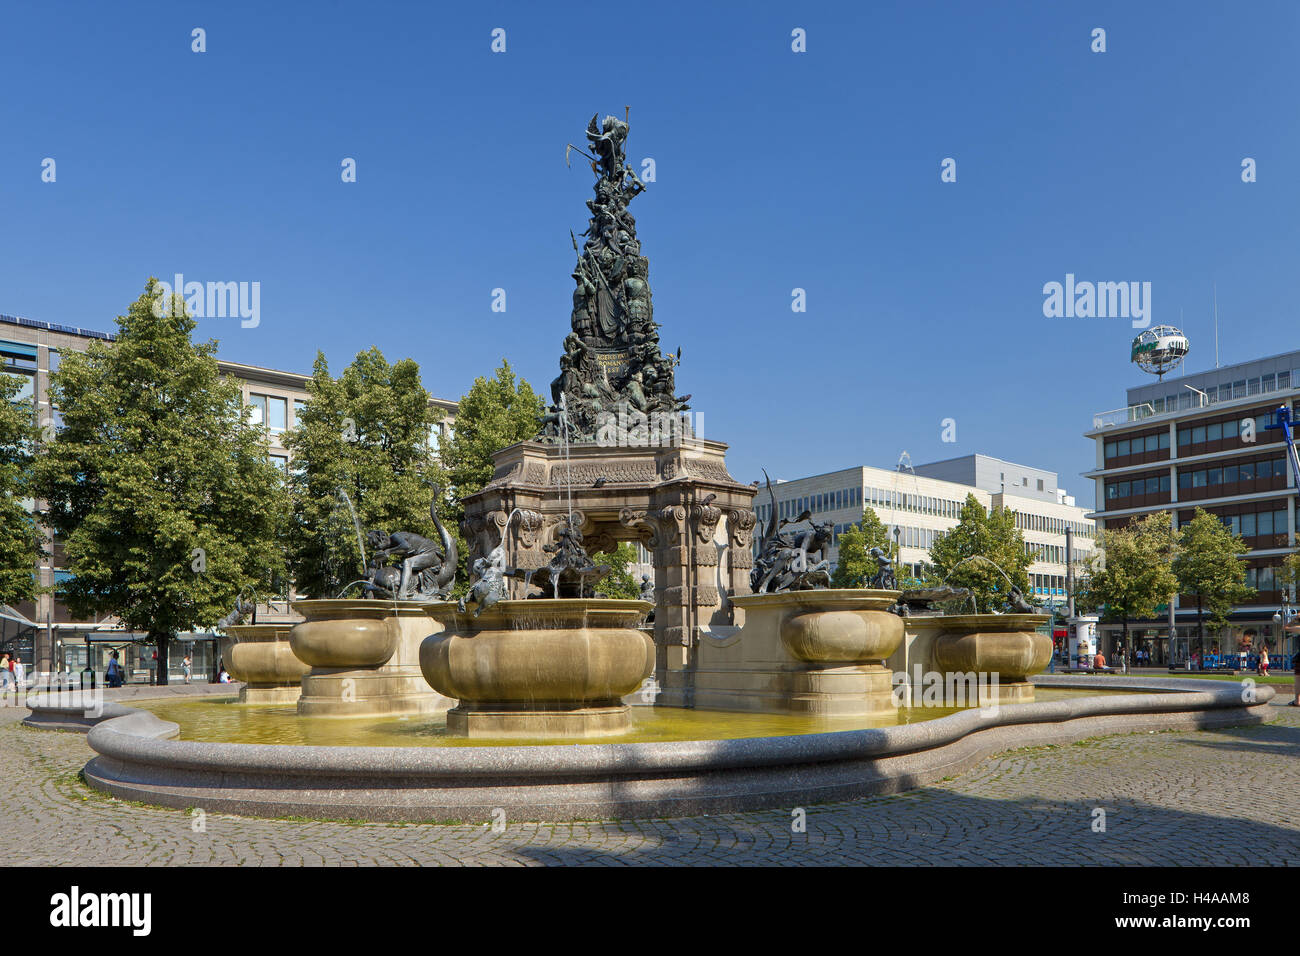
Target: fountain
{"x": 259, "y": 655}
{"x": 534, "y": 656}
{"x": 363, "y": 652}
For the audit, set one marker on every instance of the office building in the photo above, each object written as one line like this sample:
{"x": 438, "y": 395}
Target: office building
{"x": 1203, "y": 440}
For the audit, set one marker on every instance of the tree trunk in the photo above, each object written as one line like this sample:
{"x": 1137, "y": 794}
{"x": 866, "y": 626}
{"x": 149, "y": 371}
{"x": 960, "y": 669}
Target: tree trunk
{"x": 1200, "y": 630}
{"x": 162, "y": 642}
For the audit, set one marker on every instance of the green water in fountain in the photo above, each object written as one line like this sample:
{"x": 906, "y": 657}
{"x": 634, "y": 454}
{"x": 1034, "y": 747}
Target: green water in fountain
{"x": 226, "y": 721}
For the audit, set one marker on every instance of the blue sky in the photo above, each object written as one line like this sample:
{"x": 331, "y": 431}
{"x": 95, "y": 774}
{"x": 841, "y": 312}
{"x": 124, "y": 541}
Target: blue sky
{"x": 775, "y": 170}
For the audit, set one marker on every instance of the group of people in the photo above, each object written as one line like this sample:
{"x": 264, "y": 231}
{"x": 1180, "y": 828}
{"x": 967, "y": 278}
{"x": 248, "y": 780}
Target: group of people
{"x": 13, "y": 674}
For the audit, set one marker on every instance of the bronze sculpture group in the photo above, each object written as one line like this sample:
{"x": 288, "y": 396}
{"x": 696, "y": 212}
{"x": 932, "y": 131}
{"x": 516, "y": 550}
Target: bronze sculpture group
{"x": 612, "y": 361}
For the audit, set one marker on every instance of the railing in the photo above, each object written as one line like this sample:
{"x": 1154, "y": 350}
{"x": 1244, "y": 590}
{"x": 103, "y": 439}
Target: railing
{"x": 1192, "y": 398}
{"x": 1123, "y": 416}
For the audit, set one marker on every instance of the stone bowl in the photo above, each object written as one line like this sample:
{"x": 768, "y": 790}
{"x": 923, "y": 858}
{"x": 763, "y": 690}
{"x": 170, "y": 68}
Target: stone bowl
{"x": 344, "y": 633}
{"x": 538, "y": 653}
{"x": 1004, "y": 644}
{"x": 834, "y": 626}
{"x": 260, "y": 654}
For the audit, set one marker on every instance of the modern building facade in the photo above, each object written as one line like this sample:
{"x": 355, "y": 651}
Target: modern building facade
{"x": 43, "y": 632}
{"x": 921, "y": 507}
{"x": 1203, "y": 440}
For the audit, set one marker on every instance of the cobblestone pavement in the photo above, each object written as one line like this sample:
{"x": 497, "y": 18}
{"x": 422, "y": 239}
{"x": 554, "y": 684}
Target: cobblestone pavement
{"x": 1166, "y": 798}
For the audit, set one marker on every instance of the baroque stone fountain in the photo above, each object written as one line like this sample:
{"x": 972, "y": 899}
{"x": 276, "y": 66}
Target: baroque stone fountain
{"x": 363, "y": 651}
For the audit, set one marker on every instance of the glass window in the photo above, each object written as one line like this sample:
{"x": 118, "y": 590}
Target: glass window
{"x": 1184, "y": 480}
{"x": 1184, "y": 436}
{"x": 1125, "y": 489}
{"x": 1164, "y": 484}
{"x": 55, "y": 359}
{"x": 1252, "y": 387}
{"x": 298, "y": 406}
{"x": 280, "y": 461}
{"x": 1214, "y": 476}
{"x": 1229, "y": 474}
{"x": 1246, "y": 471}
{"x": 1198, "y": 479}
{"x": 1198, "y": 434}
{"x": 1122, "y": 447}
{"x": 1214, "y": 432}
{"x": 1152, "y": 442}
{"x": 257, "y": 409}
{"x": 1248, "y": 526}
{"x": 1153, "y": 486}
{"x": 1283, "y": 379}
{"x": 1266, "y": 383}
{"x": 277, "y": 413}
{"x": 1264, "y": 522}
{"x": 1164, "y": 440}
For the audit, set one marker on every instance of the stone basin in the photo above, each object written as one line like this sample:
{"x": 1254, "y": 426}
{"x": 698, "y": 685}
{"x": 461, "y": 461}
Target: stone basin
{"x": 541, "y": 667}
{"x": 1007, "y": 645}
{"x": 364, "y": 657}
{"x": 343, "y": 633}
{"x": 260, "y": 655}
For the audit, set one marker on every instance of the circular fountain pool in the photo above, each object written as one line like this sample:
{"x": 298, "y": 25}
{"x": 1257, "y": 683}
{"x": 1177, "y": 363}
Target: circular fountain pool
{"x": 227, "y": 721}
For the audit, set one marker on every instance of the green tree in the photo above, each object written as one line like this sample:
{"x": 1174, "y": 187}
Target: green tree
{"x": 1289, "y": 573}
{"x": 495, "y": 413}
{"x": 1132, "y": 570}
{"x": 619, "y": 582}
{"x": 1209, "y": 565}
{"x": 365, "y": 434}
{"x": 971, "y": 554}
{"x": 855, "y": 563}
{"x": 19, "y": 537}
{"x": 158, "y": 484}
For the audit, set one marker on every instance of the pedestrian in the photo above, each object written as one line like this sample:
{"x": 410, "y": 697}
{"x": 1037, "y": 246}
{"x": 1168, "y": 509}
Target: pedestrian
{"x": 20, "y": 673}
{"x": 1263, "y": 661}
{"x": 6, "y": 677}
{"x": 186, "y": 665}
{"x": 114, "y": 672}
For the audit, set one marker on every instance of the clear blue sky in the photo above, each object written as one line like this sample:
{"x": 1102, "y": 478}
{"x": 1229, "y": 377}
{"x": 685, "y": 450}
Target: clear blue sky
{"x": 775, "y": 170}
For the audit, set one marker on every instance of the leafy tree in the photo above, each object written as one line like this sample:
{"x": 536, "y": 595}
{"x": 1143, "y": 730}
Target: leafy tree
{"x": 19, "y": 537}
{"x": 365, "y": 435}
{"x": 1289, "y": 573}
{"x": 1209, "y": 565}
{"x": 1132, "y": 570}
{"x": 619, "y": 582}
{"x": 496, "y": 412}
{"x": 158, "y": 484}
{"x": 971, "y": 554}
{"x": 855, "y": 563}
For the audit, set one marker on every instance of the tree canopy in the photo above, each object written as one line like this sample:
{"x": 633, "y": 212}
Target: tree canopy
{"x": 158, "y": 484}
{"x": 855, "y": 563}
{"x": 971, "y": 554}
{"x": 19, "y": 536}
{"x": 365, "y": 434}
{"x": 496, "y": 412}
{"x": 1132, "y": 571}
{"x": 1209, "y": 566}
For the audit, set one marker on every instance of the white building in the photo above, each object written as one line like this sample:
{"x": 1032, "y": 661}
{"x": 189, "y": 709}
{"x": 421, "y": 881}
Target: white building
{"x": 921, "y": 506}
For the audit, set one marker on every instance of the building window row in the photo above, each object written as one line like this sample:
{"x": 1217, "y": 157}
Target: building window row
{"x": 1148, "y": 485}
{"x": 1248, "y": 471}
{"x": 1123, "y": 447}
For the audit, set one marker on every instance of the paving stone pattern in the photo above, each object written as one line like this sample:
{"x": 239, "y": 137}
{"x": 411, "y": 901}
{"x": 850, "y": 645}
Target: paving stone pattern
{"x": 1177, "y": 798}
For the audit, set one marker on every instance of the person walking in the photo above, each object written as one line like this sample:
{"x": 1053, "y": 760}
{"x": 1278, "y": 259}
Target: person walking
{"x": 187, "y": 665}
{"x": 6, "y": 678}
{"x": 113, "y": 674}
{"x": 20, "y": 673}
{"x": 1263, "y": 661}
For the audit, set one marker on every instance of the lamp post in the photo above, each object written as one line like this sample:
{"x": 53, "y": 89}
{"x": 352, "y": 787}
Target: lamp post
{"x": 898, "y": 552}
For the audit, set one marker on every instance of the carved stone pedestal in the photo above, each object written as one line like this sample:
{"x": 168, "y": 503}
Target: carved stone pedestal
{"x": 679, "y": 501}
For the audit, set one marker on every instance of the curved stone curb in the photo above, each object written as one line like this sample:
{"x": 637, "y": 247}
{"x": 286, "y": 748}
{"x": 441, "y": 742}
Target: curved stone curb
{"x": 596, "y": 781}
{"x": 67, "y": 711}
